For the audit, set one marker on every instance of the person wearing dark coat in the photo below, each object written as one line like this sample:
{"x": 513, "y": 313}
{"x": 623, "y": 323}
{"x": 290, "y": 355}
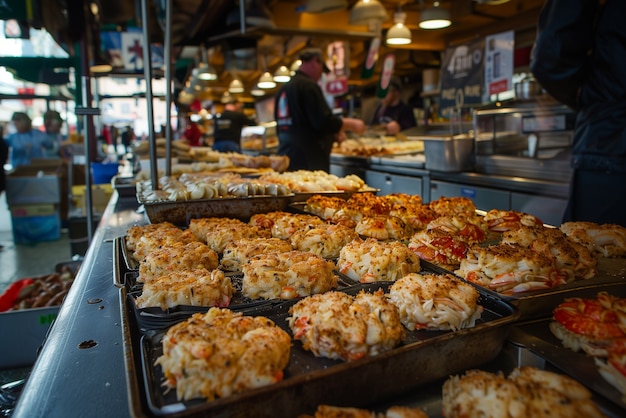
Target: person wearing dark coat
{"x": 306, "y": 125}
{"x": 392, "y": 113}
{"x": 579, "y": 58}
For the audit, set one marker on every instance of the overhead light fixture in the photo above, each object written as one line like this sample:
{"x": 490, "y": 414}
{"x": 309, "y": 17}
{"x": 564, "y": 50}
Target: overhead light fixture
{"x": 100, "y": 66}
{"x": 266, "y": 81}
{"x": 257, "y": 91}
{"x": 398, "y": 34}
{"x": 324, "y": 6}
{"x": 295, "y": 66}
{"x": 435, "y": 17}
{"x": 204, "y": 72}
{"x": 366, "y": 11}
{"x": 282, "y": 74}
{"x": 236, "y": 86}
{"x": 258, "y": 14}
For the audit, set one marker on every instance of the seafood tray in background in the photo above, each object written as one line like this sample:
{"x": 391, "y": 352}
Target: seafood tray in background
{"x": 425, "y": 357}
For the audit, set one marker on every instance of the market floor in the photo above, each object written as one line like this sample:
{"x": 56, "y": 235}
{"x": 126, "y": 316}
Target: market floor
{"x": 19, "y": 261}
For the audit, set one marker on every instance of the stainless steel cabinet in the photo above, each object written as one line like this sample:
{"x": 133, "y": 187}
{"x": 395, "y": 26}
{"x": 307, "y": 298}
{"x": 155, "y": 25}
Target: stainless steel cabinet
{"x": 484, "y": 198}
{"x": 394, "y": 183}
{"x": 548, "y": 209}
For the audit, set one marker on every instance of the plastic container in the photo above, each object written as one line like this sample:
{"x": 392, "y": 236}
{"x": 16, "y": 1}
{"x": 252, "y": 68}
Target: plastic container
{"x": 103, "y": 172}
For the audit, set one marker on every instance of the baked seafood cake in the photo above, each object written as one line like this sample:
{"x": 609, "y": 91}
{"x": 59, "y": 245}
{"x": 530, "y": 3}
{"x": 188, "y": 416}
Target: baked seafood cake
{"x": 284, "y": 224}
{"x": 287, "y": 275}
{"x": 177, "y": 257}
{"x": 325, "y": 240}
{"x": 440, "y": 248}
{"x": 340, "y": 326}
{"x": 199, "y": 287}
{"x": 142, "y": 240}
{"x": 221, "y": 353}
{"x": 218, "y": 232}
{"x": 608, "y": 240}
{"x": 383, "y": 227}
{"x": 435, "y": 302}
{"x": 371, "y": 260}
{"x": 238, "y": 252}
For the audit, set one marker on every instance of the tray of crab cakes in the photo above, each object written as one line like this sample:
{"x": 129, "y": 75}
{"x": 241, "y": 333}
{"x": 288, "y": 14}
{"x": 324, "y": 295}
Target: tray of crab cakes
{"x": 363, "y": 344}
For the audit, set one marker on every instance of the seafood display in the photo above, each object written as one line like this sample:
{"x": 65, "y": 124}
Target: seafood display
{"x": 509, "y": 220}
{"x": 284, "y": 224}
{"x": 177, "y": 257}
{"x": 325, "y": 240}
{"x": 609, "y": 240}
{"x": 238, "y": 252}
{"x": 438, "y": 247}
{"x": 329, "y": 411}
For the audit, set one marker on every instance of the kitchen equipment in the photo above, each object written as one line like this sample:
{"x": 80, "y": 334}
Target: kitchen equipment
{"x": 528, "y": 89}
{"x": 452, "y": 153}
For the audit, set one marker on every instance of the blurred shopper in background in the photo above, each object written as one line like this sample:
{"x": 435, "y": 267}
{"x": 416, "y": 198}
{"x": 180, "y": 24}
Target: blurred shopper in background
{"x": 53, "y": 123}
{"x": 579, "y": 57}
{"x": 392, "y": 113}
{"x": 128, "y": 136}
{"x": 26, "y": 143}
{"x": 228, "y": 125}
{"x": 306, "y": 125}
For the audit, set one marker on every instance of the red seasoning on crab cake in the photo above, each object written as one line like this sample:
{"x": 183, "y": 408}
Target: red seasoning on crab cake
{"x": 199, "y": 287}
{"x": 178, "y": 257}
{"x": 470, "y": 228}
{"x": 287, "y": 275}
{"x": 440, "y": 248}
{"x": 238, "y": 252}
{"x": 508, "y": 269}
{"x": 371, "y": 260}
{"x": 507, "y": 220}
{"x": 435, "y": 302}
{"x": 221, "y": 353}
{"x": 340, "y": 326}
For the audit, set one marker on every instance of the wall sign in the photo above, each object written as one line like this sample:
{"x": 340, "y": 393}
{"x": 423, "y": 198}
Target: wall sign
{"x": 499, "y": 62}
{"x": 461, "y": 77}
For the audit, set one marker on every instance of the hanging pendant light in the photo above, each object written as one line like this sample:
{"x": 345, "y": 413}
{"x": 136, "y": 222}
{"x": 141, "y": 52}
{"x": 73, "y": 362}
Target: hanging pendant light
{"x": 295, "y": 66}
{"x": 266, "y": 81}
{"x": 398, "y": 34}
{"x": 435, "y": 18}
{"x": 365, "y": 11}
{"x": 282, "y": 74}
{"x": 257, "y": 91}
{"x": 236, "y": 86}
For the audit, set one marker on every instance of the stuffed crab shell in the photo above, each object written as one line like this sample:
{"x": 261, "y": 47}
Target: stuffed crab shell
{"x": 324, "y": 240}
{"x": 371, "y": 260}
{"x": 435, "y": 302}
{"x": 177, "y": 257}
{"x": 221, "y": 353}
{"x": 339, "y": 326}
{"x": 238, "y": 252}
{"x": 287, "y": 275}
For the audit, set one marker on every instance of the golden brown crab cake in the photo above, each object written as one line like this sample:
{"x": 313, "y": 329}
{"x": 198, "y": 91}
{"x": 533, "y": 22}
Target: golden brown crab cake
{"x": 371, "y": 260}
{"x": 221, "y": 353}
{"x": 403, "y": 199}
{"x": 435, "y": 302}
{"x": 134, "y": 233}
{"x": 438, "y": 247}
{"x": 417, "y": 216}
{"x": 201, "y": 227}
{"x": 238, "y": 252}
{"x": 178, "y": 257}
{"x": 608, "y": 240}
{"x": 507, "y": 220}
{"x": 324, "y": 240}
{"x": 396, "y": 411}
{"x": 284, "y": 224}
{"x": 572, "y": 259}
{"x": 451, "y": 206}
{"x": 221, "y": 235}
{"x": 199, "y": 287}
{"x": 509, "y": 269}
{"x": 340, "y": 326}
{"x": 324, "y": 206}
{"x": 287, "y": 275}
{"x": 470, "y": 228}
{"x": 163, "y": 238}
{"x": 383, "y": 227}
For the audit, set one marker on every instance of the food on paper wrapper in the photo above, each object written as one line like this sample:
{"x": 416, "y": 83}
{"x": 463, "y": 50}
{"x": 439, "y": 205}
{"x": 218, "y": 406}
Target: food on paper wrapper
{"x": 329, "y": 411}
{"x": 571, "y": 258}
{"x": 438, "y": 247}
{"x": 287, "y": 275}
{"x": 526, "y": 392}
{"x": 508, "y": 269}
{"x": 608, "y": 240}
{"x": 199, "y": 287}
{"x": 371, "y": 260}
{"x": 325, "y": 240}
{"x": 221, "y": 353}
{"x": 177, "y": 257}
{"x": 340, "y": 326}
{"x": 284, "y": 224}
{"x": 590, "y": 325}
{"x": 508, "y": 220}
{"x": 383, "y": 227}
{"x": 435, "y": 302}
{"x": 238, "y": 252}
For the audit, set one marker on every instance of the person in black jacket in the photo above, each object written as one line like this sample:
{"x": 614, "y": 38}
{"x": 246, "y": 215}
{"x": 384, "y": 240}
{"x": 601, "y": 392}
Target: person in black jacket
{"x": 306, "y": 125}
{"x": 392, "y": 112}
{"x": 579, "y": 58}
{"x": 228, "y": 125}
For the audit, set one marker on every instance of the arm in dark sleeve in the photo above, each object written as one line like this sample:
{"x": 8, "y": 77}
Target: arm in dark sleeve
{"x": 406, "y": 118}
{"x": 319, "y": 113}
{"x": 559, "y": 59}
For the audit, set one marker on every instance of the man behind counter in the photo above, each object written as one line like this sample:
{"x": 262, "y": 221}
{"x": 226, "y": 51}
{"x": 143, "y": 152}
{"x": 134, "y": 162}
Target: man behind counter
{"x": 392, "y": 112}
{"x": 228, "y": 125}
{"x": 306, "y": 125}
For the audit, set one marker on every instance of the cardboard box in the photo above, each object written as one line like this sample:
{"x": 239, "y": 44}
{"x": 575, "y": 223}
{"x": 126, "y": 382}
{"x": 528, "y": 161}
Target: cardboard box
{"x": 35, "y": 223}
{"x": 24, "y": 332}
{"x": 100, "y": 196}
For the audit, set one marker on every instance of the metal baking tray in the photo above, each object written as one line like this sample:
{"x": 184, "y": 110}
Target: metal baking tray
{"x": 125, "y": 186}
{"x": 181, "y": 212}
{"x": 425, "y": 357}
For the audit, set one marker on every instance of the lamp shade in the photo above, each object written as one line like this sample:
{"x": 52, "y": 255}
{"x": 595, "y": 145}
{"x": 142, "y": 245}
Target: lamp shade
{"x": 282, "y": 74}
{"x": 398, "y": 34}
{"x": 435, "y": 18}
{"x": 236, "y": 86}
{"x": 365, "y": 11}
{"x": 204, "y": 72}
{"x": 257, "y": 91}
{"x": 266, "y": 81}
{"x": 324, "y": 6}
